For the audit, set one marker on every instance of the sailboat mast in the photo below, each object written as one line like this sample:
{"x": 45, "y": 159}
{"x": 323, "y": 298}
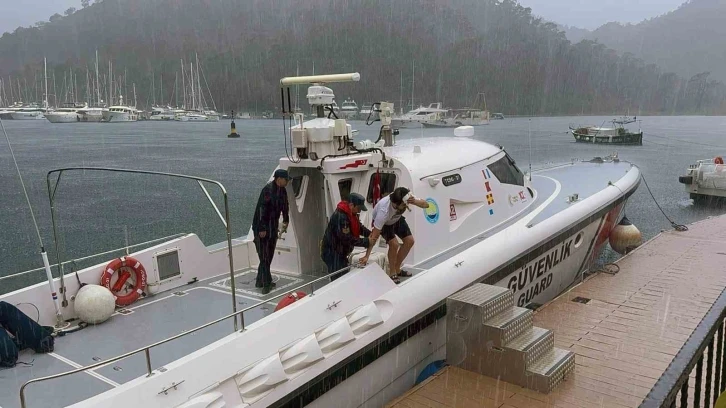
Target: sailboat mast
{"x": 413, "y": 82}
{"x": 98, "y": 84}
{"x": 184, "y": 86}
{"x": 45, "y": 75}
{"x": 110, "y": 85}
{"x": 199, "y": 86}
{"x": 191, "y": 85}
{"x": 153, "y": 90}
{"x": 400, "y": 96}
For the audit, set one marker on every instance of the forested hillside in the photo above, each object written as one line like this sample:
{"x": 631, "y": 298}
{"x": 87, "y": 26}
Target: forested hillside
{"x": 523, "y": 64}
{"x": 688, "y": 41}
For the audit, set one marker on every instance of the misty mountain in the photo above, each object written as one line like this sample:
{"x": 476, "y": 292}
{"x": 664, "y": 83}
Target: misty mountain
{"x": 575, "y": 34}
{"x": 460, "y": 48}
{"x": 687, "y": 41}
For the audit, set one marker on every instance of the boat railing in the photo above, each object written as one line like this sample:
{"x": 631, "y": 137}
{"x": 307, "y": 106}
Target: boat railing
{"x": 705, "y": 346}
{"x": 126, "y": 248}
{"x": 146, "y": 350}
{"x": 53, "y": 179}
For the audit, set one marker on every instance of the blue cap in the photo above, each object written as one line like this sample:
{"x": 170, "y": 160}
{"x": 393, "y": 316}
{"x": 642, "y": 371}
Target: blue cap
{"x": 357, "y": 199}
{"x": 282, "y": 173}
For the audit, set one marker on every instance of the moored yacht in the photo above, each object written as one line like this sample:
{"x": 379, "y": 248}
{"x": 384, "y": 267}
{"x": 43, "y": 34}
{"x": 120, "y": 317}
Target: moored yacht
{"x": 193, "y": 117}
{"x": 120, "y": 113}
{"x": 417, "y": 117}
{"x": 67, "y": 113}
{"x": 90, "y": 114}
{"x": 349, "y": 110}
{"x": 28, "y": 113}
{"x": 355, "y": 339}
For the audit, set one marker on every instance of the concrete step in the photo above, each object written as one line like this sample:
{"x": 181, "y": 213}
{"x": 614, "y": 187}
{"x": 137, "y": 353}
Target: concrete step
{"x": 530, "y": 346}
{"x": 550, "y": 370}
{"x": 507, "y": 325}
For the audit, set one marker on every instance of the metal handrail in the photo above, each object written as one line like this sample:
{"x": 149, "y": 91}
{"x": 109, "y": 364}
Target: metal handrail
{"x": 167, "y": 238}
{"x": 664, "y": 391}
{"x": 160, "y": 342}
{"x": 51, "y": 197}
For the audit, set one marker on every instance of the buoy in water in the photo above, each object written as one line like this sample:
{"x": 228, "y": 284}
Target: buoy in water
{"x": 625, "y": 237}
{"x": 290, "y": 299}
{"x": 94, "y": 304}
{"x": 233, "y": 130}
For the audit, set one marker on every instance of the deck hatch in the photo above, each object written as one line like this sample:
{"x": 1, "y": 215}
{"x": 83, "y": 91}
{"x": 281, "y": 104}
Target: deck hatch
{"x": 168, "y": 265}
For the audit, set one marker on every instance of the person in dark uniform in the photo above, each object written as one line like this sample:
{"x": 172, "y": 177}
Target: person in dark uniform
{"x": 344, "y": 231}
{"x": 265, "y": 224}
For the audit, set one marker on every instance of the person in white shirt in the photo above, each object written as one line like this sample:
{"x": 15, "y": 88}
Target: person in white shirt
{"x": 389, "y": 222}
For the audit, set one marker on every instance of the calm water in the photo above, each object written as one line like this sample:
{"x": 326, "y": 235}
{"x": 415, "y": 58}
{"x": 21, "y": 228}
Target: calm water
{"x": 100, "y": 211}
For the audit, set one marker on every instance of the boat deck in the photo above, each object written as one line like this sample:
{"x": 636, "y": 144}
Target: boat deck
{"x": 170, "y": 313}
{"x": 624, "y": 328}
{"x": 150, "y": 320}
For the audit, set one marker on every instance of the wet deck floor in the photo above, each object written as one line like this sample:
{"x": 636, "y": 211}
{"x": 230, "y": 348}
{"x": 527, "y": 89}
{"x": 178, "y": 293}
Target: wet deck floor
{"x": 624, "y": 328}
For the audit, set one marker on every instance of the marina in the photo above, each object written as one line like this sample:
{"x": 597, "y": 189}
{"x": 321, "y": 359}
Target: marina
{"x": 312, "y": 205}
{"x": 134, "y": 366}
{"x": 639, "y": 336}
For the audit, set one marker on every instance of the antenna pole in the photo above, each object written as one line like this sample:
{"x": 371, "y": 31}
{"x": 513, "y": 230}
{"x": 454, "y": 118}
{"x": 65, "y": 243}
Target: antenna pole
{"x": 60, "y": 322}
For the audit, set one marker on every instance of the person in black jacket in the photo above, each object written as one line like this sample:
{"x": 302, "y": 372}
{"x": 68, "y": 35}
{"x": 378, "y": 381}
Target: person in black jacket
{"x": 265, "y": 224}
{"x": 344, "y": 232}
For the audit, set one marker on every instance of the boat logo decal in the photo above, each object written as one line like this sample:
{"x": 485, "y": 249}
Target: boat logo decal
{"x": 490, "y": 198}
{"x": 522, "y": 197}
{"x": 355, "y": 164}
{"x": 486, "y": 174}
{"x": 432, "y": 211}
{"x": 513, "y": 199}
{"x": 452, "y": 212}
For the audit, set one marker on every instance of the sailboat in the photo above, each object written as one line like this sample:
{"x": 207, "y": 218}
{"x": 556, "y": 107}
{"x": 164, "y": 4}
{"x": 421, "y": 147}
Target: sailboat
{"x": 34, "y": 111}
{"x": 198, "y": 112}
{"x": 179, "y": 336}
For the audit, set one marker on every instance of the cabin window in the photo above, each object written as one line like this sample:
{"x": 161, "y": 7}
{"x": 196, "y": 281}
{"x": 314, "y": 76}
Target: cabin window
{"x": 297, "y": 185}
{"x": 506, "y": 172}
{"x": 388, "y": 184}
{"x": 344, "y": 187}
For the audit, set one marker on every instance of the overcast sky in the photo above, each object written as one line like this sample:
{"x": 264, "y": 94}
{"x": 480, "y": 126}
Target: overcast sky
{"x": 579, "y": 13}
{"x": 15, "y": 13}
{"x": 592, "y": 14}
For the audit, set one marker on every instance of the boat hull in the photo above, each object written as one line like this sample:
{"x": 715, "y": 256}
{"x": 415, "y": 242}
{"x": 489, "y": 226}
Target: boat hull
{"x": 634, "y": 139}
{"x": 425, "y": 338}
{"x": 119, "y": 117}
{"x": 66, "y": 117}
{"x": 34, "y": 115}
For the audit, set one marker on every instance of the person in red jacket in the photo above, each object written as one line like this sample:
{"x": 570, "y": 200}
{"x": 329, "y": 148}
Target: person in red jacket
{"x": 344, "y": 231}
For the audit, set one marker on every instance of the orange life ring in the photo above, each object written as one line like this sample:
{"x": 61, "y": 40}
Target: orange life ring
{"x": 290, "y": 299}
{"x": 718, "y": 160}
{"x": 125, "y": 266}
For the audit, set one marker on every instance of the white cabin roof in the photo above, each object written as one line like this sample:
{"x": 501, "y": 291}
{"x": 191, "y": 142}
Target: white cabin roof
{"x": 439, "y": 154}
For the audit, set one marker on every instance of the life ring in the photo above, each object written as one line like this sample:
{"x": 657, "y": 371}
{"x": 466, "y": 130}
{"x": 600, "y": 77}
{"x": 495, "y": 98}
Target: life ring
{"x": 290, "y": 299}
{"x": 125, "y": 266}
{"x": 718, "y": 160}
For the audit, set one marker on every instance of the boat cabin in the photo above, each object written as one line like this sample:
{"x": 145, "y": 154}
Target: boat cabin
{"x": 470, "y": 186}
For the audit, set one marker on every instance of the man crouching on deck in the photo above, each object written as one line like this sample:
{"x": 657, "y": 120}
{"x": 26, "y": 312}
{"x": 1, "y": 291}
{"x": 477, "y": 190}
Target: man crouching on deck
{"x": 343, "y": 233}
{"x": 388, "y": 220}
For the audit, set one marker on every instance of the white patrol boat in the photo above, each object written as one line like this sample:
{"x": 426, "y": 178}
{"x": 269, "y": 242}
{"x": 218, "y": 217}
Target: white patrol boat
{"x": 357, "y": 341}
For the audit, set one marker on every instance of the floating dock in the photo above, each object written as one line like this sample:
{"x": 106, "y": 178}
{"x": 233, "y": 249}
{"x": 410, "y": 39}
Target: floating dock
{"x": 659, "y": 312}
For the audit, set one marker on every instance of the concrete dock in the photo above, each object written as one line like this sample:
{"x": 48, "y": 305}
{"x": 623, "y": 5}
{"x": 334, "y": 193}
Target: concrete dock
{"x": 625, "y": 328}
